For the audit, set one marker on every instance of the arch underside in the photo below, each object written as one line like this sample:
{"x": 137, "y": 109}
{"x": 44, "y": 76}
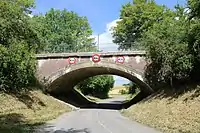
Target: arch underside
{"x": 66, "y": 78}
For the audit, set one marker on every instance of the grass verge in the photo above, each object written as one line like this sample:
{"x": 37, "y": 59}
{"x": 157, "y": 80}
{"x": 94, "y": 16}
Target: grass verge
{"x": 116, "y": 90}
{"x": 92, "y": 98}
{"x": 169, "y": 112}
{"x": 19, "y": 113}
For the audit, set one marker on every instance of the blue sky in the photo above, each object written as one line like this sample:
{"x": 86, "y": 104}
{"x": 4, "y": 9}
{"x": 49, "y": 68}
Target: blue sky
{"x": 101, "y": 14}
{"x": 98, "y": 12}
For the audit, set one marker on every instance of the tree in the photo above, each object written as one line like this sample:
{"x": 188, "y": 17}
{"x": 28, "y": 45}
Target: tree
{"x": 194, "y": 6}
{"x": 132, "y": 88}
{"x": 17, "y": 44}
{"x": 194, "y": 35}
{"x": 14, "y": 22}
{"x": 97, "y": 86}
{"x": 135, "y": 19}
{"x": 64, "y": 31}
{"x": 163, "y": 33}
{"x": 167, "y": 47}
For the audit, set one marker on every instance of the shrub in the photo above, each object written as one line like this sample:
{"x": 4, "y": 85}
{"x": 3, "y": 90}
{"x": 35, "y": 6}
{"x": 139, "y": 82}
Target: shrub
{"x": 97, "y": 86}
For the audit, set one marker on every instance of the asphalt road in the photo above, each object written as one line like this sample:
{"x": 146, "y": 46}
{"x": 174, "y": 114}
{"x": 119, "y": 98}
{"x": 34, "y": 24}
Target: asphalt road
{"x": 94, "y": 121}
{"x": 118, "y": 99}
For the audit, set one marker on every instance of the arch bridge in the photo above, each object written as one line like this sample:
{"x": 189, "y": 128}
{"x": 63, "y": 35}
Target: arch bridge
{"x": 62, "y": 71}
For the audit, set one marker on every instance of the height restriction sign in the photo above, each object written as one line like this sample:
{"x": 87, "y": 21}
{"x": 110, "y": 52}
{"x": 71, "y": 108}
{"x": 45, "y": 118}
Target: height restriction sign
{"x": 96, "y": 58}
{"x": 72, "y": 60}
{"x": 120, "y": 59}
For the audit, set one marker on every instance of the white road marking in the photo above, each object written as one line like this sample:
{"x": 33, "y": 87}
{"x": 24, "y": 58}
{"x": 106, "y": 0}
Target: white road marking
{"x": 100, "y": 123}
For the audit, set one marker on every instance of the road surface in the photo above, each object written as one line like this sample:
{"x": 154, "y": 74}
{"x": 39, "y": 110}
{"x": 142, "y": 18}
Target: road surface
{"x": 94, "y": 121}
{"x": 118, "y": 99}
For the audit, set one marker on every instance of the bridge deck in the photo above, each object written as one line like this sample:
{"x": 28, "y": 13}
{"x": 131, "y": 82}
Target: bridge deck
{"x": 88, "y": 54}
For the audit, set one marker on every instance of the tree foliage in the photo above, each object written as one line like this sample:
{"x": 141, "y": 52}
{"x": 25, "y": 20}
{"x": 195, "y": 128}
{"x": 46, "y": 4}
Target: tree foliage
{"x": 170, "y": 37}
{"x": 131, "y": 88}
{"x": 97, "y": 86}
{"x": 17, "y": 44}
{"x": 167, "y": 47}
{"x": 194, "y": 35}
{"x": 135, "y": 19}
{"x": 63, "y": 31}
{"x": 14, "y": 21}
{"x": 194, "y": 6}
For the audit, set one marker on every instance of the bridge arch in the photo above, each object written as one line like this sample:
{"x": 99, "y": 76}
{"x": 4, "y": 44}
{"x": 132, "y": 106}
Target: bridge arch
{"x": 66, "y": 78}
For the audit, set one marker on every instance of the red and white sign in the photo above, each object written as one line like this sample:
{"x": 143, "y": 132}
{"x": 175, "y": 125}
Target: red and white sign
{"x": 96, "y": 58}
{"x": 120, "y": 59}
{"x": 72, "y": 60}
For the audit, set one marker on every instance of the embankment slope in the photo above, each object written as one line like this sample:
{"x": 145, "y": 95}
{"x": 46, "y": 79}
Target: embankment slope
{"x": 20, "y": 112}
{"x": 169, "y": 112}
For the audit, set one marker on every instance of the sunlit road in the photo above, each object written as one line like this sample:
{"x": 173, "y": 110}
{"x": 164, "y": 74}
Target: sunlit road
{"x": 115, "y": 100}
{"x": 94, "y": 121}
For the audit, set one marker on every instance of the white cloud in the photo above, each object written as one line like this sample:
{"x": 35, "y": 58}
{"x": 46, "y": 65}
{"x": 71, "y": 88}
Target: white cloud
{"x": 120, "y": 80}
{"x": 105, "y": 39}
{"x": 30, "y": 15}
{"x": 187, "y": 10}
{"x": 106, "y": 44}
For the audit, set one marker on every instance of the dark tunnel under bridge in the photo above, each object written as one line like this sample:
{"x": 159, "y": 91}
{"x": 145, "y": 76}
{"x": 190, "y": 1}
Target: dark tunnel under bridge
{"x": 64, "y": 80}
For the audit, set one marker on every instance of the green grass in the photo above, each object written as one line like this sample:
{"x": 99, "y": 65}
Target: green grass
{"x": 116, "y": 90}
{"x": 92, "y": 98}
{"x": 20, "y": 113}
{"x": 89, "y": 98}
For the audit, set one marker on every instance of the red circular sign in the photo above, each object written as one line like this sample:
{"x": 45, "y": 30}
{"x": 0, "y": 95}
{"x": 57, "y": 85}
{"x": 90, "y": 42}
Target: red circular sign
{"x": 120, "y": 59}
{"x": 72, "y": 60}
{"x": 96, "y": 58}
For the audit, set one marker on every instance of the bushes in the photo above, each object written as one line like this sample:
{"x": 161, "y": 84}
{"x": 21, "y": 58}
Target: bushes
{"x": 17, "y": 67}
{"x": 17, "y": 45}
{"x": 97, "y": 86}
{"x": 131, "y": 88}
{"x": 167, "y": 48}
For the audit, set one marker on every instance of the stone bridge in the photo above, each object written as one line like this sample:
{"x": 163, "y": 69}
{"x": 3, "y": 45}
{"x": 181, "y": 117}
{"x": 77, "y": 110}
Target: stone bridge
{"x": 62, "y": 71}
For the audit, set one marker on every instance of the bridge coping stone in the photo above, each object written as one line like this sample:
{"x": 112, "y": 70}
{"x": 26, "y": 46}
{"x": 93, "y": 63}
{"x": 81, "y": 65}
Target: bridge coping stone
{"x": 88, "y": 54}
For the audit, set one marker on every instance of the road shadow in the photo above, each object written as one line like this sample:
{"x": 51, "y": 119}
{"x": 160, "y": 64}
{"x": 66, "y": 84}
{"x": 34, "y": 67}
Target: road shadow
{"x": 71, "y": 130}
{"x": 50, "y": 129}
{"x": 15, "y": 123}
{"x": 79, "y": 101}
{"x": 110, "y": 106}
{"x": 74, "y": 98}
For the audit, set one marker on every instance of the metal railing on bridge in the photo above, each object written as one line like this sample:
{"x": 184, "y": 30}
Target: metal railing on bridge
{"x": 101, "y": 47}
